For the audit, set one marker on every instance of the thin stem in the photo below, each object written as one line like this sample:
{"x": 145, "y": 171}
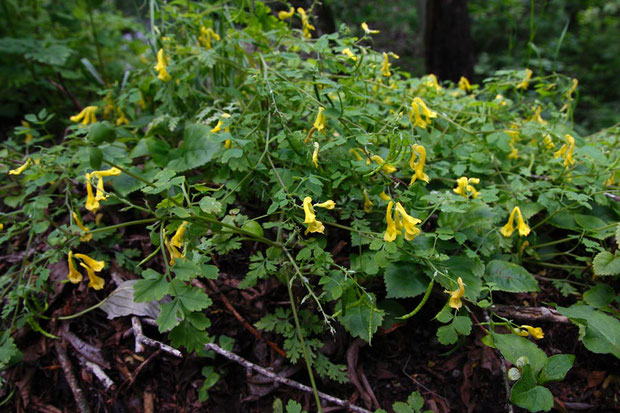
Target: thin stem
{"x": 97, "y": 46}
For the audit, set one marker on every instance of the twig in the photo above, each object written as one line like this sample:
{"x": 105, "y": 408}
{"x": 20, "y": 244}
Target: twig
{"x": 98, "y": 372}
{"x": 142, "y": 340}
{"x": 78, "y": 394}
{"x": 275, "y": 377}
{"x": 502, "y": 365}
{"x": 352, "y": 356}
{"x": 530, "y": 313}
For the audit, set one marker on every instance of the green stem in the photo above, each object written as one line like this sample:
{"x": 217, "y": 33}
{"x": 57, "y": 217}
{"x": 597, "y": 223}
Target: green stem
{"x": 567, "y": 267}
{"x": 97, "y": 46}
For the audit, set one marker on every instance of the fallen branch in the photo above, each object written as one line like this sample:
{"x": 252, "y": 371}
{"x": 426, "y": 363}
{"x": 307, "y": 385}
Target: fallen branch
{"x": 275, "y": 377}
{"x": 536, "y": 314}
{"x": 78, "y": 394}
{"x": 502, "y": 365}
{"x": 141, "y": 340}
{"x": 97, "y": 372}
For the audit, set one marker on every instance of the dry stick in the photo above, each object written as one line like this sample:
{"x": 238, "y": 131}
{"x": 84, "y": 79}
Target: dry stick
{"x": 502, "y": 365}
{"x": 352, "y": 356}
{"x": 141, "y": 339}
{"x": 80, "y": 400}
{"x": 275, "y": 377}
{"x": 98, "y": 372}
{"x": 530, "y": 313}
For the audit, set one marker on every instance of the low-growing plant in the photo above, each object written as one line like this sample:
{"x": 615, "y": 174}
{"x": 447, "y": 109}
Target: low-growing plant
{"x": 242, "y": 128}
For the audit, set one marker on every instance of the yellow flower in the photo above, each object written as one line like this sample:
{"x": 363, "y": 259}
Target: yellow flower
{"x": 367, "y": 30}
{"x": 432, "y": 82}
{"x": 161, "y": 65}
{"x": 536, "y": 116}
{"x": 122, "y": 119}
{"x": 87, "y": 115}
{"x": 329, "y": 204}
{"x": 509, "y": 228}
{"x": 314, "y": 225}
{"x": 306, "y": 26}
{"x": 95, "y": 282}
{"x": 367, "y": 203}
{"x": 386, "y": 167}
{"x": 391, "y": 231}
{"x": 419, "y": 165}
{"x": 525, "y": 82}
{"x": 319, "y": 122}
{"x": 385, "y": 66}
{"x": 464, "y": 84}
{"x": 1, "y": 226}
{"x": 87, "y": 235}
{"x": 572, "y": 89}
{"x": 355, "y": 153}
{"x": 566, "y": 151}
{"x": 455, "y": 296}
{"x": 611, "y": 180}
{"x": 384, "y": 196}
{"x": 92, "y": 204}
{"x": 548, "y": 141}
{"x": 177, "y": 239}
{"x": 408, "y": 222}
{"x": 347, "y": 52}
{"x": 283, "y": 15}
{"x": 500, "y": 99}
{"x": 28, "y": 134}
{"x": 315, "y": 155}
{"x": 464, "y": 187}
{"x": 206, "y": 35}
{"x": 418, "y": 108}
{"x": 91, "y": 263}
{"x": 74, "y": 275}
{"x": 535, "y": 332}
{"x": 18, "y": 171}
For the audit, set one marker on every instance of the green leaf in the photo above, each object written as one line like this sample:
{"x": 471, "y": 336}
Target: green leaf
{"x": 600, "y": 332}
{"x": 293, "y": 407}
{"x": 197, "y": 149}
{"x": 528, "y": 395}
{"x": 462, "y": 325}
{"x": 470, "y": 270}
{"x": 8, "y": 349}
{"x": 512, "y": 347}
{"x": 154, "y": 286}
{"x": 556, "y": 368}
{"x": 362, "y": 319}
{"x": 506, "y": 276}
{"x": 171, "y": 315}
{"x": 415, "y": 401}
{"x": 190, "y": 297}
{"x": 186, "y": 334}
{"x": 210, "y": 205}
{"x": 404, "y": 280}
{"x": 605, "y": 263}
{"x": 185, "y": 270}
{"x": 401, "y": 407}
{"x": 447, "y": 335}
{"x": 599, "y": 296}
{"x": 211, "y": 379}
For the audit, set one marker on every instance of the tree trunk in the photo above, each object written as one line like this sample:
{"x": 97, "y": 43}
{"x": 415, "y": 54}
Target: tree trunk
{"x": 448, "y": 48}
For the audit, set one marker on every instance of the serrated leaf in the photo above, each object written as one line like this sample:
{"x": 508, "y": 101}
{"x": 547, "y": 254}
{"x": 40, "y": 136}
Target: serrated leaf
{"x": 512, "y": 347}
{"x": 188, "y": 336}
{"x": 415, "y": 401}
{"x": 362, "y": 319}
{"x": 197, "y": 149}
{"x": 605, "y": 263}
{"x": 447, "y": 335}
{"x": 190, "y": 297}
{"x": 510, "y": 277}
{"x": 462, "y": 325}
{"x": 154, "y": 286}
{"x": 210, "y": 205}
{"x": 404, "y": 280}
{"x": 556, "y": 368}
{"x": 528, "y": 395}
{"x": 171, "y": 315}
{"x": 401, "y": 407}
{"x": 602, "y": 332}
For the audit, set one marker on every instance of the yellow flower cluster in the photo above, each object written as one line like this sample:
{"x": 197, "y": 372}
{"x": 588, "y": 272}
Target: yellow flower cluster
{"x": 87, "y": 115}
{"x": 314, "y": 225}
{"x": 455, "y": 296}
{"x": 464, "y": 84}
{"x": 526, "y": 330}
{"x": 418, "y": 108}
{"x": 161, "y": 66}
{"x": 92, "y": 200}
{"x": 418, "y": 173}
{"x": 526, "y": 81}
{"x": 566, "y": 151}
{"x": 509, "y": 228}
{"x": 385, "y": 167}
{"x": 175, "y": 243}
{"x": 464, "y": 187}
{"x": 402, "y": 220}
{"x": 367, "y": 30}
{"x": 206, "y": 36}
{"x": 218, "y": 128}
{"x": 90, "y": 265}
{"x": 305, "y": 23}
{"x": 347, "y": 52}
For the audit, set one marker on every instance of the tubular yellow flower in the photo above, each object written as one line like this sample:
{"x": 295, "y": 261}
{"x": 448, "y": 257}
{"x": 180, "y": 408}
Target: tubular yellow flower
{"x": 315, "y": 155}
{"x": 314, "y": 225}
{"x": 87, "y": 115}
{"x": 418, "y": 108}
{"x": 386, "y": 167}
{"x": 566, "y": 151}
{"x": 306, "y": 26}
{"x": 500, "y": 99}
{"x": 347, "y": 52}
{"x": 162, "y": 64}
{"x": 536, "y": 116}
{"x": 92, "y": 204}
{"x": 283, "y": 15}
{"x": 28, "y": 134}
{"x": 385, "y": 66}
{"x": 464, "y": 187}
{"x": 509, "y": 228}
{"x": 177, "y": 239}
{"x": 464, "y": 84}
{"x": 525, "y": 82}
{"x": 122, "y": 119}
{"x": 329, "y": 204}
{"x": 419, "y": 165}
{"x": 319, "y": 122}
{"x": 535, "y": 332}
{"x": 95, "y": 282}
{"x": 107, "y": 172}
{"x": 172, "y": 251}
{"x": 355, "y": 153}
{"x": 367, "y": 30}
{"x": 93, "y": 264}
{"x": 408, "y": 222}
{"x": 74, "y": 275}
{"x": 391, "y": 231}
{"x": 432, "y": 82}
{"x": 572, "y": 89}
{"x": 206, "y": 35}
{"x": 455, "y": 296}
{"x": 367, "y": 203}
{"x": 18, "y": 171}
{"x": 611, "y": 180}
{"x": 384, "y": 196}
{"x": 87, "y": 235}
{"x": 548, "y": 141}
